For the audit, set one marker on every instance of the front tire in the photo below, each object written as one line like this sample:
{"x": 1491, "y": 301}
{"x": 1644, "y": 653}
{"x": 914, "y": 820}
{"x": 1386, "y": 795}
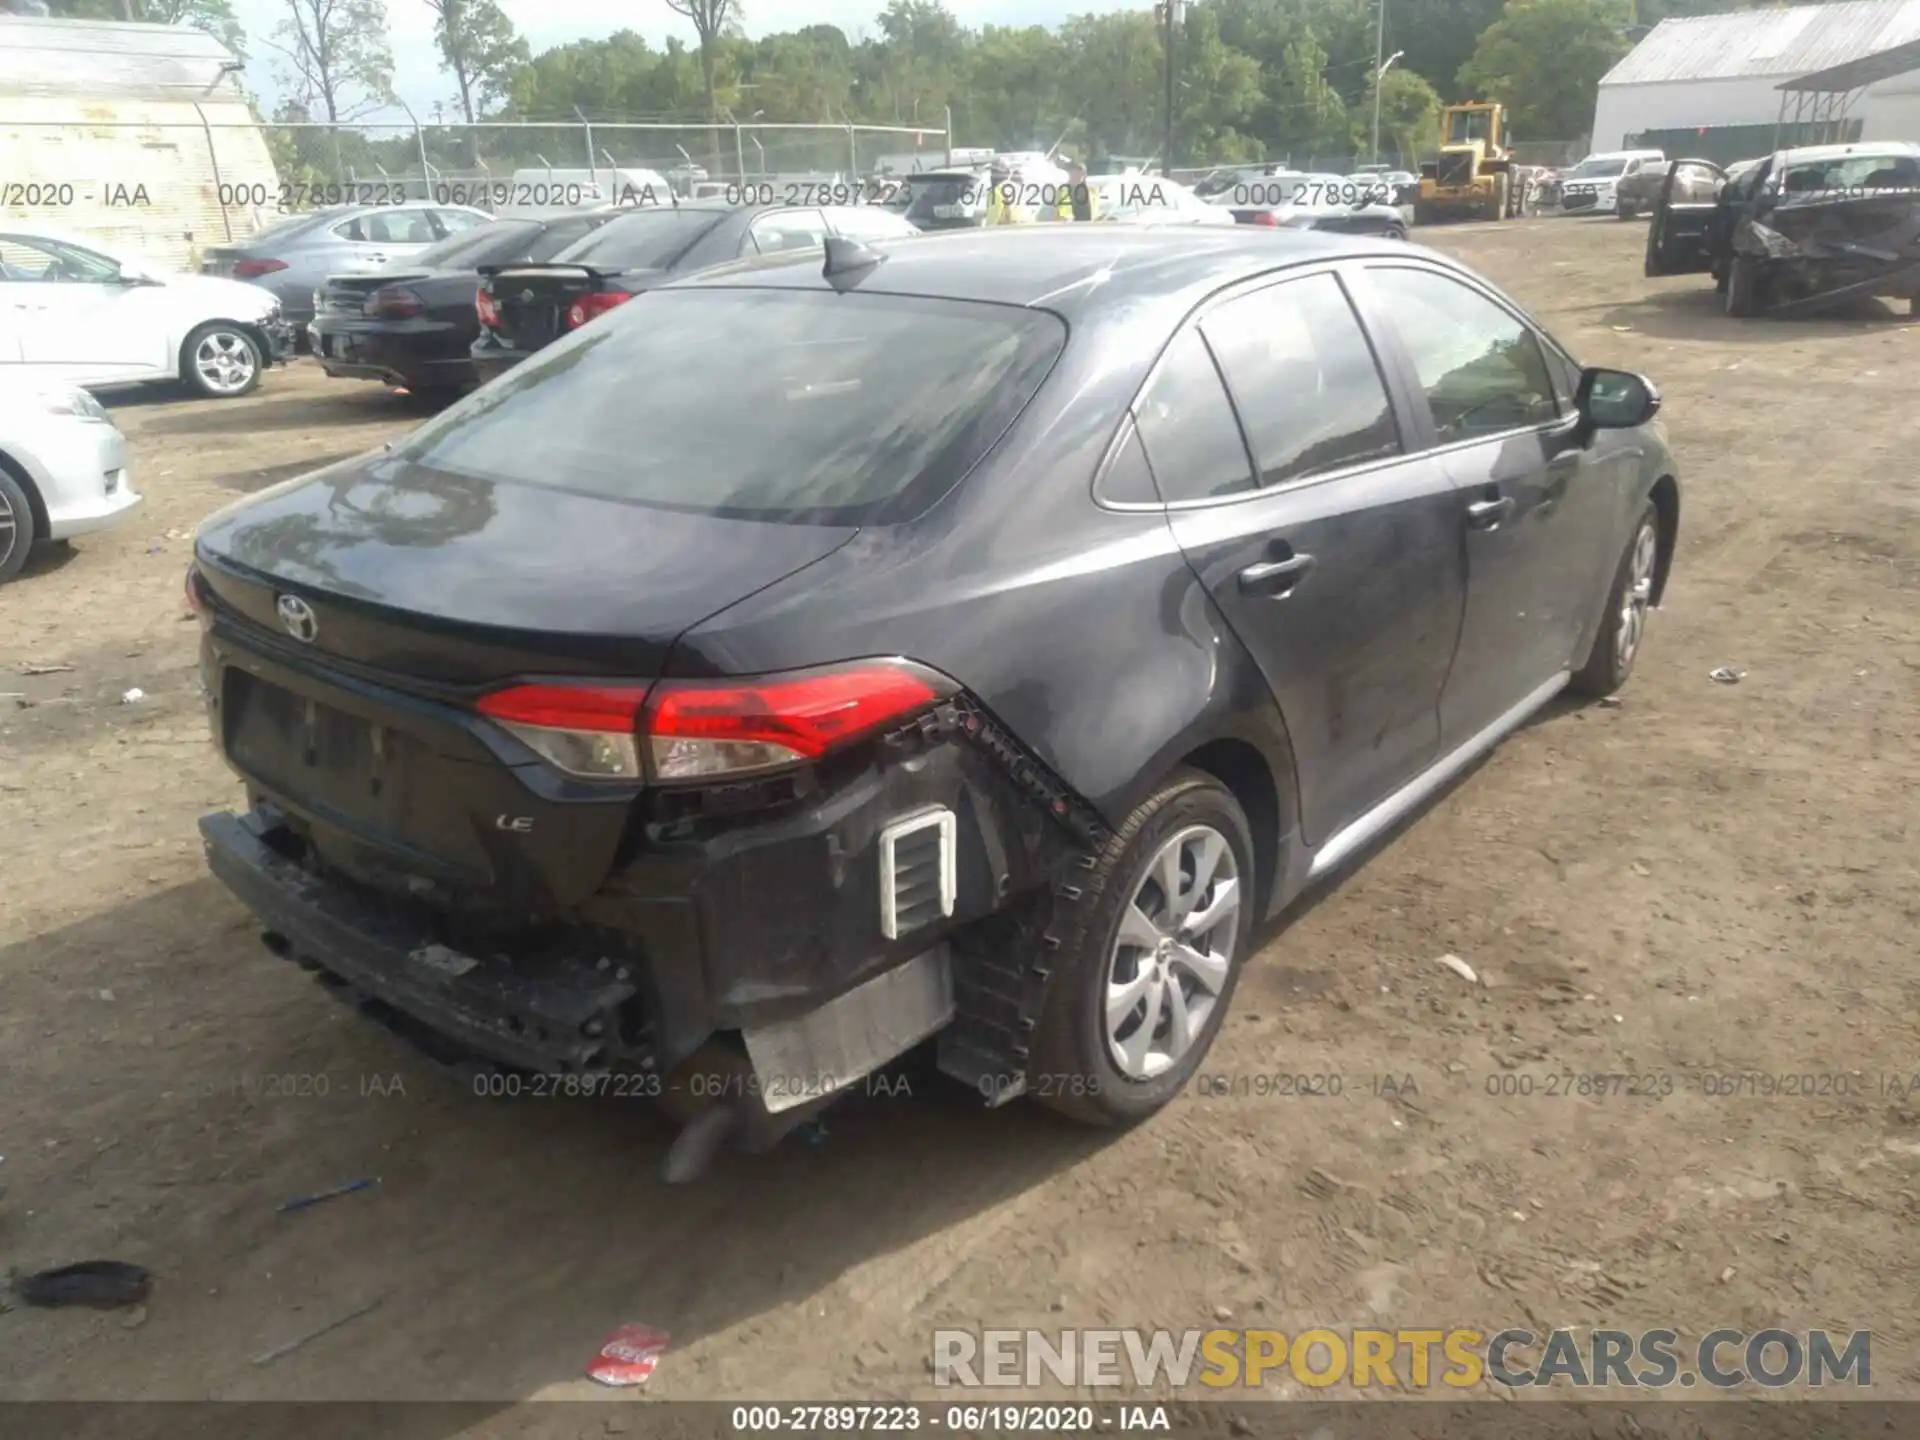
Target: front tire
{"x": 1152, "y": 937}
{"x": 221, "y": 361}
{"x": 16, "y": 527}
{"x": 1623, "y": 625}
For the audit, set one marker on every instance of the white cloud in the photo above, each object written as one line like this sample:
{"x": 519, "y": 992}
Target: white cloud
{"x": 546, "y": 23}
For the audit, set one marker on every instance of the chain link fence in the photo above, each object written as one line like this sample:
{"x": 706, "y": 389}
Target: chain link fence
{"x": 492, "y": 165}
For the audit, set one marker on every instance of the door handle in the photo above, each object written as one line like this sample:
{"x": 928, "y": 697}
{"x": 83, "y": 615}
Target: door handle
{"x": 1275, "y": 578}
{"x": 1489, "y": 514}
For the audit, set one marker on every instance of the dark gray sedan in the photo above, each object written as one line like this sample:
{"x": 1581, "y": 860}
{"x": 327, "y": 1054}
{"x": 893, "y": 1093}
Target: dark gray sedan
{"x": 969, "y": 639}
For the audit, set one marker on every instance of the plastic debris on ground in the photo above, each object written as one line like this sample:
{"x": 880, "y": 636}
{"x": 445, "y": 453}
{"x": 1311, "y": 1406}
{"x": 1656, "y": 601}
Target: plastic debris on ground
{"x": 1459, "y": 967}
{"x": 305, "y": 1200}
{"x": 97, "y": 1284}
{"x": 1726, "y": 675}
{"x": 628, "y": 1356}
{"x": 133, "y": 696}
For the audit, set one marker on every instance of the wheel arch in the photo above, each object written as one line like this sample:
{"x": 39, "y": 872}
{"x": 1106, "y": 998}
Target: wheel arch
{"x": 36, "y": 503}
{"x": 1239, "y": 765}
{"x": 1666, "y": 503}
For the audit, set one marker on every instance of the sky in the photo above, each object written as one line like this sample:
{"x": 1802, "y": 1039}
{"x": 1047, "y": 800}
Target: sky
{"x": 546, "y": 23}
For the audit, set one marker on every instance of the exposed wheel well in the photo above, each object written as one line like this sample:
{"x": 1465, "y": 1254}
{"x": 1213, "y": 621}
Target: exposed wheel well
{"x": 36, "y": 507}
{"x": 1245, "y": 772}
{"x": 1666, "y": 503}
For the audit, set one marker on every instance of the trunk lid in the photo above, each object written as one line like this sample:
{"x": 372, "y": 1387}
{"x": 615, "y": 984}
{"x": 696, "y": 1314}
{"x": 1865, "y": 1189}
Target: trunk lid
{"x": 532, "y": 300}
{"x": 412, "y": 591}
{"x": 451, "y": 578}
{"x": 348, "y": 294}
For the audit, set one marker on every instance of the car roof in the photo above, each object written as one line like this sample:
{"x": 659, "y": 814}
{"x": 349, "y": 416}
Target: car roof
{"x": 1805, "y": 153}
{"x": 1072, "y": 270}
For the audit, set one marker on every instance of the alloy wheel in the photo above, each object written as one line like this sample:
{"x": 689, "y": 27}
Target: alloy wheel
{"x": 1635, "y": 599}
{"x": 9, "y": 530}
{"x": 225, "y": 361}
{"x": 1173, "y": 954}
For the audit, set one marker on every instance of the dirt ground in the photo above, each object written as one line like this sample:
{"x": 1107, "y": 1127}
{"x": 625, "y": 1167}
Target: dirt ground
{"x": 1708, "y": 879}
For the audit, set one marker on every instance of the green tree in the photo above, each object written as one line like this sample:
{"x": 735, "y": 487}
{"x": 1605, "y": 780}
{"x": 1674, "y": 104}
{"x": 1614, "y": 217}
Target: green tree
{"x": 1312, "y": 118}
{"x": 480, "y": 47}
{"x": 1409, "y": 115}
{"x": 1543, "y": 60}
{"x": 712, "y": 20}
{"x": 1217, "y": 88}
{"x": 337, "y": 62}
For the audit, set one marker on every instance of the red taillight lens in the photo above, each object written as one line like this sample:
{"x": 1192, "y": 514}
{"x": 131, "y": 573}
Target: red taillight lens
{"x": 1263, "y": 217}
{"x": 598, "y": 303}
{"x": 196, "y": 602}
{"x": 484, "y": 307}
{"x": 584, "y": 729}
{"x": 395, "y": 302}
{"x": 711, "y": 729}
{"x": 254, "y": 269}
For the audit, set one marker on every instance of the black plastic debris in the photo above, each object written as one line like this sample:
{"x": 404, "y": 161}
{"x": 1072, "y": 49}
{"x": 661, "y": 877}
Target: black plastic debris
{"x": 97, "y": 1284}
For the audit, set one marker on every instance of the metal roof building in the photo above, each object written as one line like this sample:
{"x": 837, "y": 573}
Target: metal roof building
{"x": 129, "y": 135}
{"x": 1718, "y": 77}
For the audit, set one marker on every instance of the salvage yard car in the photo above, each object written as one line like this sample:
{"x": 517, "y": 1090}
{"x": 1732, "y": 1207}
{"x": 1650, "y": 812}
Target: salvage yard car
{"x": 1591, "y": 187}
{"x": 970, "y": 637}
{"x": 294, "y": 256}
{"x": 72, "y": 314}
{"x": 413, "y": 323}
{"x": 525, "y": 307}
{"x": 1802, "y": 229}
{"x": 63, "y": 468}
{"x": 1684, "y": 181}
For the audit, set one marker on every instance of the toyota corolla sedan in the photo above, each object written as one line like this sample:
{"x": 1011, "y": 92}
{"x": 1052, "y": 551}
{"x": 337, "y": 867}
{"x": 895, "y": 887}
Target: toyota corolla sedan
{"x": 964, "y": 639}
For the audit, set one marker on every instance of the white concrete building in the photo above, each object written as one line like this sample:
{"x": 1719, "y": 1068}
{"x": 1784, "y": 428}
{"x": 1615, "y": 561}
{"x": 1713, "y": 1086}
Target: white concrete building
{"x": 1709, "y": 85}
{"x": 129, "y": 135}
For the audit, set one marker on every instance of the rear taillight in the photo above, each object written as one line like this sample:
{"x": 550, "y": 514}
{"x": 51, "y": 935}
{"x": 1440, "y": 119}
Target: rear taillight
{"x": 196, "y": 602}
{"x": 254, "y": 269}
{"x": 702, "y": 729}
{"x": 1263, "y": 217}
{"x": 395, "y": 302}
{"x": 598, "y": 303}
{"x": 484, "y": 307}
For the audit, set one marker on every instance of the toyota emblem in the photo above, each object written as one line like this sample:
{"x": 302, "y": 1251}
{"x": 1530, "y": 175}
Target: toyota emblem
{"x": 298, "y": 617}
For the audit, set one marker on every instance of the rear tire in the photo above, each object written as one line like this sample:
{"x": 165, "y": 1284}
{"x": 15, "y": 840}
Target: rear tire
{"x": 1121, "y": 936}
{"x": 1623, "y": 624}
{"x": 1394, "y": 232}
{"x": 16, "y": 527}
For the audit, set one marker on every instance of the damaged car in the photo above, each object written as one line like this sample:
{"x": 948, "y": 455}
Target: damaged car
{"x": 1800, "y": 230}
{"x": 970, "y": 639}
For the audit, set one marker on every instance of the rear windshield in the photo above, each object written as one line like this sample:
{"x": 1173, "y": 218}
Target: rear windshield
{"x": 291, "y": 225}
{"x": 644, "y": 240}
{"x": 861, "y": 409}
{"x": 477, "y": 246}
{"x": 1597, "y": 169}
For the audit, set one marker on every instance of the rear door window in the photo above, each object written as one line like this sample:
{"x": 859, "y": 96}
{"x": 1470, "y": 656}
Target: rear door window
{"x": 1188, "y": 429}
{"x": 788, "y": 230}
{"x": 1303, "y": 379}
{"x": 865, "y": 407}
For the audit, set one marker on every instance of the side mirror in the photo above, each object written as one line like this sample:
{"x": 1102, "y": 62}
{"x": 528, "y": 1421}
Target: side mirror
{"x": 1616, "y": 399}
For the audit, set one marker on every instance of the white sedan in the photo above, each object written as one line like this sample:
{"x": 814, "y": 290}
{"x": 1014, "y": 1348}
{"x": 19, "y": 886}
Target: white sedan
{"x": 63, "y": 468}
{"x": 72, "y": 314}
{"x": 1151, "y": 200}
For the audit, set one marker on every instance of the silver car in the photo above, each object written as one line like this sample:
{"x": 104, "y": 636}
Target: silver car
{"x": 294, "y": 257}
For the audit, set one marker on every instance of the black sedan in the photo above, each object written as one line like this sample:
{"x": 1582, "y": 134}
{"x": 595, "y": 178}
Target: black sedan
{"x": 413, "y": 323}
{"x": 972, "y": 637}
{"x": 525, "y": 307}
